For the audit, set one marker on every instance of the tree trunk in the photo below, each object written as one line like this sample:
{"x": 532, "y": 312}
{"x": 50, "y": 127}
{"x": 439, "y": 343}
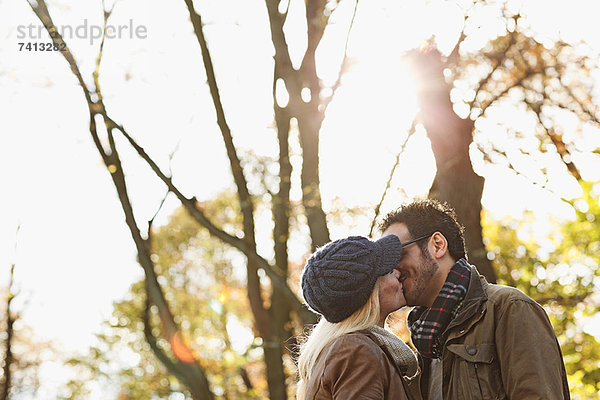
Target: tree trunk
{"x": 455, "y": 181}
{"x": 309, "y": 128}
{"x": 271, "y": 342}
{"x": 310, "y": 118}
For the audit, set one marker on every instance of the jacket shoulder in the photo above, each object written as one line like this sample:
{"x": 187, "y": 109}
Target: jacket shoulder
{"x": 352, "y": 366}
{"x": 494, "y": 290}
{"x": 501, "y": 292}
{"x": 353, "y": 342}
{"x": 503, "y": 296}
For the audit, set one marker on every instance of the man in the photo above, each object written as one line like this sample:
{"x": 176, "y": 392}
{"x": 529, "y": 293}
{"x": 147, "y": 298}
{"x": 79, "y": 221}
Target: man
{"x": 476, "y": 340}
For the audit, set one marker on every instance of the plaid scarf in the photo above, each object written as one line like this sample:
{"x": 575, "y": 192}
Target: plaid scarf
{"x": 427, "y": 324}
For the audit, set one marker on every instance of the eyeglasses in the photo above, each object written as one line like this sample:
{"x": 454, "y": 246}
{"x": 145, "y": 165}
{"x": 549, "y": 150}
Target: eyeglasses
{"x": 415, "y": 240}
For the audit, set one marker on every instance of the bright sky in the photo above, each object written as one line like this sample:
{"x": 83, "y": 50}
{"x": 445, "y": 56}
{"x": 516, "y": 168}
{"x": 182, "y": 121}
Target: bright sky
{"x": 75, "y": 256}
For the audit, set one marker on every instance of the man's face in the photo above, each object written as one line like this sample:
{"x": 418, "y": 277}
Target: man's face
{"x": 417, "y": 269}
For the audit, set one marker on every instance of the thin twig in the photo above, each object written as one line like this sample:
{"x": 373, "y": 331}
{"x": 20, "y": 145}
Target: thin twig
{"x": 151, "y": 221}
{"x": 96, "y": 73}
{"x": 343, "y": 65}
{"x": 585, "y": 108}
{"x": 561, "y": 147}
{"x": 393, "y": 170}
{"x": 517, "y": 83}
{"x": 485, "y": 80}
{"x": 511, "y": 166}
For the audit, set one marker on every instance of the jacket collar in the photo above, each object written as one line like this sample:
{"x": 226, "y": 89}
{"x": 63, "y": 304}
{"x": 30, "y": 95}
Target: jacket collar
{"x": 474, "y": 297}
{"x": 372, "y": 336}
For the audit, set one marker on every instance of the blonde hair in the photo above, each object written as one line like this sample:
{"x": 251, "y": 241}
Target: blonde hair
{"x": 324, "y": 332}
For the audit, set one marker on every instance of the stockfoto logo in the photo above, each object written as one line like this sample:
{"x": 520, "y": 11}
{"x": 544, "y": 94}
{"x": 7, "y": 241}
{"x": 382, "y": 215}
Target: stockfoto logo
{"x": 85, "y": 31}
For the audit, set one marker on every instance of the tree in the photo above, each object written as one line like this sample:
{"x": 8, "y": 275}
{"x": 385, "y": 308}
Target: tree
{"x": 462, "y": 94}
{"x": 204, "y": 282}
{"x": 307, "y": 107}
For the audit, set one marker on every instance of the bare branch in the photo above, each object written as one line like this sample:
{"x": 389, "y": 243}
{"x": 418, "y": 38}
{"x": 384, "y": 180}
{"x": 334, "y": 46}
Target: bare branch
{"x": 517, "y": 83}
{"x": 151, "y": 221}
{"x": 411, "y": 131}
{"x": 556, "y": 138}
{"x": 189, "y": 203}
{"x": 343, "y": 65}
{"x": 283, "y": 61}
{"x": 245, "y": 199}
{"x": 499, "y": 60}
{"x": 41, "y": 11}
{"x": 162, "y": 202}
{"x": 585, "y": 108}
{"x": 107, "y": 14}
{"x": 153, "y": 342}
{"x": 453, "y": 56}
{"x": 511, "y": 166}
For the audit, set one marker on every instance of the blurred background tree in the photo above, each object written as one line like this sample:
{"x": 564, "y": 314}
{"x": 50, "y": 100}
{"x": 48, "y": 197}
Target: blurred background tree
{"x": 204, "y": 282}
{"x": 556, "y": 263}
{"x": 22, "y": 351}
{"x": 509, "y": 97}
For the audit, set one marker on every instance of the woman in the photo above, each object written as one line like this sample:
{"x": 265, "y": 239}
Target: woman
{"x": 353, "y": 285}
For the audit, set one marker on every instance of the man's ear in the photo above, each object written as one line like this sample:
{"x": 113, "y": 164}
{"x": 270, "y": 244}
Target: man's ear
{"x": 438, "y": 245}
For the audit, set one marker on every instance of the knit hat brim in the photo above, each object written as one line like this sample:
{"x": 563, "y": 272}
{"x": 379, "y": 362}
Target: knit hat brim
{"x": 391, "y": 251}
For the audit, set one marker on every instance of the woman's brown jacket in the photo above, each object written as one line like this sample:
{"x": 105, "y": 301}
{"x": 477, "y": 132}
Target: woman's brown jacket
{"x": 355, "y": 366}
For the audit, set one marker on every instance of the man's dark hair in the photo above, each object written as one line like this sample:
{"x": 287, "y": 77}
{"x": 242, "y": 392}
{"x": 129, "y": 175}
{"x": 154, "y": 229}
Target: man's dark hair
{"x": 424, "y": 217}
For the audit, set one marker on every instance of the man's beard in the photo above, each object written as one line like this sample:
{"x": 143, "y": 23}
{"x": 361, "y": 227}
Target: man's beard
{"x": 426, "y": 271}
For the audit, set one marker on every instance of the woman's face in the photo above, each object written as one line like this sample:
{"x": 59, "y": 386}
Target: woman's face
{"x": 391, "y": 296}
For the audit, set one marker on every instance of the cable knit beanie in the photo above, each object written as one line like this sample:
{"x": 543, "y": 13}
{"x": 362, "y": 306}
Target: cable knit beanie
{"x": 339, "y": 277}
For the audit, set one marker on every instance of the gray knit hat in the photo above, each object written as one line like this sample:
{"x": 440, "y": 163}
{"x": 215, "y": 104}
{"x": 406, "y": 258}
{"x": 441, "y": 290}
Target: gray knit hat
{"x": 339, "y": 277}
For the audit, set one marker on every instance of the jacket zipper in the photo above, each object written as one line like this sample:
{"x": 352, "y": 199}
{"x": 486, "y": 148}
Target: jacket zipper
{"x": 478, "y": 382}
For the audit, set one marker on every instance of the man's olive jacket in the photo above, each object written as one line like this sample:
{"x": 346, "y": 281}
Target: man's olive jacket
{"x": 501, "y": 345}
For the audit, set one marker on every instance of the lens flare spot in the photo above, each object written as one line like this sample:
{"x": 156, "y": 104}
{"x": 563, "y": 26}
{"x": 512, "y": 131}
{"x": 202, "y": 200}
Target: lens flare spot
{"x": 216, "y": 306}
{"x": 223, "y": 297}
{"x": 181, "y": 349}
